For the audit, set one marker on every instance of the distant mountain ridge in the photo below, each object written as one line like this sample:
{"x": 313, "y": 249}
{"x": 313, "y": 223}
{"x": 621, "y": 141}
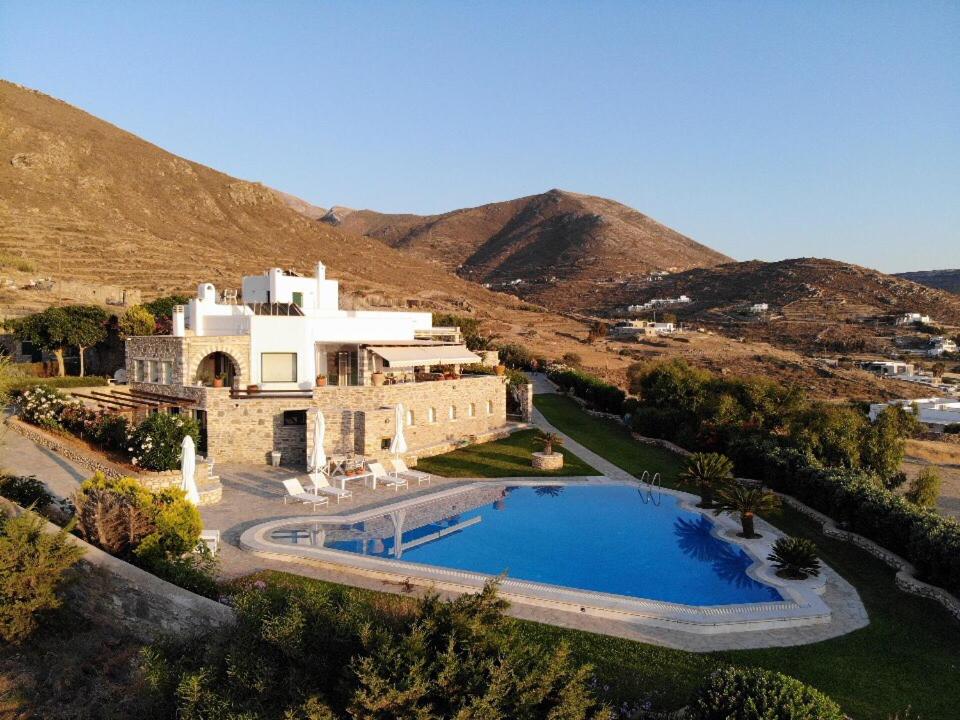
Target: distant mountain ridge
{"x": 948, "y": 280}
{"x": 557, "y": 233}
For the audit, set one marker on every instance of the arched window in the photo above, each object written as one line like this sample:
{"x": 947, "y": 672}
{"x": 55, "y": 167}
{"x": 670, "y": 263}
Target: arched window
{"x": 410, "y": 417}
{"x": 432, "y": 415}
{"x": 489, "y": 407}
{"x": 452, "y": 413}
{"x": 472, "y": 410}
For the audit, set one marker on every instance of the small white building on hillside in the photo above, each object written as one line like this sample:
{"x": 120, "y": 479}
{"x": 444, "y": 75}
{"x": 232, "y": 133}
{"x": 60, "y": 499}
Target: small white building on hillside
{"x": 913, "y": 318}
{"x": 935, "y": 413}
{"x": 941, "y": 345}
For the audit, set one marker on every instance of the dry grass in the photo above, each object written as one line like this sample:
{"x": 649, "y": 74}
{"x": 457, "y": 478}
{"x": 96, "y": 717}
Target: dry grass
{"x": 945, "y": 457}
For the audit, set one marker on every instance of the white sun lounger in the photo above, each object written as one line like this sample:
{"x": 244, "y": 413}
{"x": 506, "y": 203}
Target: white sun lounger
{"x": 322, "y": 485}
{"x": 295, "y": 490}
{"x": 380, "y": 475}
{"x": 401, "y": 470}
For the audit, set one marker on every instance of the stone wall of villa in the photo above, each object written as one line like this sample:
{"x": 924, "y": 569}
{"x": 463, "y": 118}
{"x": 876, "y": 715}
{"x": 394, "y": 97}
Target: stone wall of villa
{"x": 359, "y": 419}
{"x": 186, "y": 354}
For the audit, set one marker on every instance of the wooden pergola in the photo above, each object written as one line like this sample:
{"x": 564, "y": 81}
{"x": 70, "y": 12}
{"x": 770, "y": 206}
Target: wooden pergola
{"x": 134, "y": 402}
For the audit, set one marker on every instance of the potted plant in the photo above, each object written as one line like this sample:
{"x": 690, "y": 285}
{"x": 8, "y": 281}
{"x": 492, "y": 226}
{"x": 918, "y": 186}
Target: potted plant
{"x": 547, "y": 459}
{"x": 219, "y": 379}
{"x": 321, "y": 380}
{"x": 746, "y": 502}
{"x": 707, "y": 471}
{"x": 500, "y": 369}
{"x": 205, "y": 378}
{"x": 377, "y": 378}
{"x": 253, "y": 389}
{"x": 795, "y": 558}
{"x": 548, "y": 440}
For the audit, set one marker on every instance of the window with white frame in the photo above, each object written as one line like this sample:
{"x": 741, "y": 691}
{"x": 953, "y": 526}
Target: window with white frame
{"x": 472, "y": 410}
{"x": 278, "y": 367}
{"x": 432, "y": 415}
{"x": 155, "y": 372}
{"x": 452, "y": 413}
{"x": 489, "y": 407}
{"x": 138, "y": 371}
{"x": 166, "y": 372}
{"x": 411, "y": 418}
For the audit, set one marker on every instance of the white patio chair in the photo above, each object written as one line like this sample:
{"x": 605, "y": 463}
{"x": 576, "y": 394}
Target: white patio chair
{"x": 210, "y": 538}
{"x": 401, "y": 470}
{"x": 321, "y": 484}
{"x": 295, "y": 490}
{"x": 380, "y": 475}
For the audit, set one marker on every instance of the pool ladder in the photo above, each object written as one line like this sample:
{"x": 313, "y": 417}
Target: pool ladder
{"x": 650, "y": 485}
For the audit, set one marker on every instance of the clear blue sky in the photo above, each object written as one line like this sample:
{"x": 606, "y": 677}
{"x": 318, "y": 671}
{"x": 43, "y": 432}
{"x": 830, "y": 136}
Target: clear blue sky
{"x": 766, "y": 130}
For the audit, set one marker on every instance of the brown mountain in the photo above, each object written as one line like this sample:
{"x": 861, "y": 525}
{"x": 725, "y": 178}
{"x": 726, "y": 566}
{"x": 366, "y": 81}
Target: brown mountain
{"x": 813, "y": 303}
{"x": 556, "y": 234}
{"x": 83, "y": 200}
{"x": 948, "y": 280}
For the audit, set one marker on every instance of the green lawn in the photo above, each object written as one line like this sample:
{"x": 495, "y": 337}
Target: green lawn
{"x": 609, "y": 439}
{"x": 509, "y": 457}
{"x": 909, "y": 655}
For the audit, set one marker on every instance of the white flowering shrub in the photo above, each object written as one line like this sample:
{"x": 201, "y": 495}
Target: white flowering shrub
{"x": 44, "y": 406}
{"x": 156, "y": 444}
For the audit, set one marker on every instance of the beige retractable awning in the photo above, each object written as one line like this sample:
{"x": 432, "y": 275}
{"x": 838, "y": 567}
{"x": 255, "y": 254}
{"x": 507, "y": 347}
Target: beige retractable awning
{"x": 403, "y": 356}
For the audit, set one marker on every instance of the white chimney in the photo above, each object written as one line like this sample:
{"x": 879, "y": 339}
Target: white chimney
{"x": 321, "y": 271}
{"x": 179, "y": 322}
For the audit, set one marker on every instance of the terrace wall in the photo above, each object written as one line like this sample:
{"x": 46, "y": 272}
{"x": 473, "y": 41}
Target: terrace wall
{"x": 358, "y": 419}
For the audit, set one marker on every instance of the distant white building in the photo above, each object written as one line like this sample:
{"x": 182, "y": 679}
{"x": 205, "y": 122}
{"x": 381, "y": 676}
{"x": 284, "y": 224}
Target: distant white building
{"x": 935, "y": 413}
{"x": 758, "y": 308}
{"x": 941, "y": 345}
{"x": 913, "y": 318}
{"x": 636, "y": 328}
{"x": 659, "y": 302}
{"x": 888, "y": 367}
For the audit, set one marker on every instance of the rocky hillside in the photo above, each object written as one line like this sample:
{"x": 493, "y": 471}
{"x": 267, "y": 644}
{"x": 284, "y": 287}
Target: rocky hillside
{"x": 558, "y": 234}
{"x": 948, "y": 280}
{"x": 83, "y": 200}
{"x": 813, "y": 303}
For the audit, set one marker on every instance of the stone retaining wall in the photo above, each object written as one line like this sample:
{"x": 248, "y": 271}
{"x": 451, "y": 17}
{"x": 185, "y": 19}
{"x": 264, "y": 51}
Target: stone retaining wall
{"x": 118, "y": 594}
{"x": 906, "y": 573}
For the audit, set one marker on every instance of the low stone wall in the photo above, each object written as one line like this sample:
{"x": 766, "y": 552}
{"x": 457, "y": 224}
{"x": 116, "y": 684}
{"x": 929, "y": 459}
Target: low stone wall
{"x": 50, "y": 441}
{"x": 116, "y": 593}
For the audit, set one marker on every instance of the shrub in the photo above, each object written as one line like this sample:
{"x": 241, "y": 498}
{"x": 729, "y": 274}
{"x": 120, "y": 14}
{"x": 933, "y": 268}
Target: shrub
{"x": 599, "y": 394}
{"x": 325, "y": 652}
{"x": 514, "y": 355}
{"x": 157, "y": 442}
{"x": 25, "y": 491}
{"x": 924, "y": 489}
{"x": 754, "y": 694}
{"x": 42, "y": 406}
{"x": 32, "y": 565}
{"x": 952, "y": 429}
{"x": 795, "y": 558}
{"x": 137, "y": 321}
{"x": 158, "y": 531}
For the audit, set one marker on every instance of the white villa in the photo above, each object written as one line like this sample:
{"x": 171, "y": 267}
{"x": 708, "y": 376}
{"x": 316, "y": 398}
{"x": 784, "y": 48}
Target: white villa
{"x": 251, "y": 371}
{"x": 912, "y": 318}
{"x": 940, "y": 345}
{"x": 935, "y": 413}
{"x": 636, "y": 328}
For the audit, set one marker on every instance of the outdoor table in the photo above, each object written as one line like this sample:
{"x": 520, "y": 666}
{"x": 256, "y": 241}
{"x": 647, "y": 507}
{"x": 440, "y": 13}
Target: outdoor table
{"x": 361, "y": 476}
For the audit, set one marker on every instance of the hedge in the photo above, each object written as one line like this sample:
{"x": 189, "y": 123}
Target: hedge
{"x": 755, "y": 694}
{"x": 927, "y": 539}
{"x": 69, "y": 381}
{"x": 598, "y": 393}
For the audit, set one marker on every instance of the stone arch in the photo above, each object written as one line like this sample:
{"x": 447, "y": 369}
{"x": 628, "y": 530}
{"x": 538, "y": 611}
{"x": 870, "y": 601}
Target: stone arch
{"x": 220, "y": 361}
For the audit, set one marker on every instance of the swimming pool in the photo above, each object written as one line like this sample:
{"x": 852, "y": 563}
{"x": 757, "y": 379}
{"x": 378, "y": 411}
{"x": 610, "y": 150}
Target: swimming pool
{"x": 599, "y": 538}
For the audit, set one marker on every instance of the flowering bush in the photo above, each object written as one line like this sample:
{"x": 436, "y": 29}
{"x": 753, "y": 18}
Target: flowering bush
{"x": 44, "y": 406}
{"x": 156, "y": 443}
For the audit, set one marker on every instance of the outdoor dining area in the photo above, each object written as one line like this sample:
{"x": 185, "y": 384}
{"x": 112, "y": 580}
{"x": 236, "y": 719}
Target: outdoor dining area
{"x": 333, "y": 476}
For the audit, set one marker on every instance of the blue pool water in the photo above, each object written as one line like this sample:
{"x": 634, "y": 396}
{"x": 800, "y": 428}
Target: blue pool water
{"x": 602, "y": 538}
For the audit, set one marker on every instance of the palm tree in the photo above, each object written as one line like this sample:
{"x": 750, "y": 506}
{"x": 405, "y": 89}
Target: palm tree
{"x": 746, "y": 501}
{"x": 548, "y": 440}
{"x": 707, "y": 471}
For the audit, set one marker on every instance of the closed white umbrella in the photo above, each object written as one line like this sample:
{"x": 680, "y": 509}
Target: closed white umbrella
{"x": 318, "y": 458}
{"x": 398, "y": 445}
{"x": 188, "y": 469}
